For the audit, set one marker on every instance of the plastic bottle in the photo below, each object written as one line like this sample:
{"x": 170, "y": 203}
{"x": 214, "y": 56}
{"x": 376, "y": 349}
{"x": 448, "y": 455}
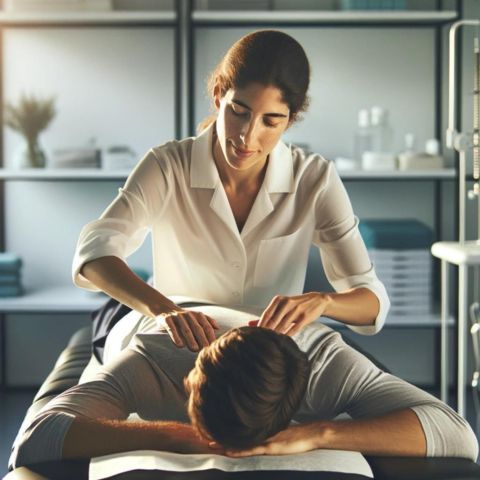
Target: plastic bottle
{"x": 382, "y": 133}
{"x": 381, "y": 156}
{"x": 363, "y": 136}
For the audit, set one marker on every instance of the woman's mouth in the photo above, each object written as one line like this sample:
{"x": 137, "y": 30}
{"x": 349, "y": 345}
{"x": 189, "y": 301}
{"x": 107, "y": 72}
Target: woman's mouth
{"x": 242, "y": 153}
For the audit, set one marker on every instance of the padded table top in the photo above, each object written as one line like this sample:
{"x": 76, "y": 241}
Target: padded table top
{"x": 384, "y": 468}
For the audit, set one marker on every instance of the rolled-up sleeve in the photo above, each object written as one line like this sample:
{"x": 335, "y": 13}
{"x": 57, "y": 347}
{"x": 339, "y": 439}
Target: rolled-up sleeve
{"x": 343, "y": 252}
{"x": 124, "y": 225}
{"x": 120, "y": 388}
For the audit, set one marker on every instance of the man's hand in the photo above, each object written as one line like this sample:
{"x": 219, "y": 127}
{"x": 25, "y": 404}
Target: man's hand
{"x": 294, "y": 439}
{"x": 290, "y": 314}
{"x": 187, "y": 327}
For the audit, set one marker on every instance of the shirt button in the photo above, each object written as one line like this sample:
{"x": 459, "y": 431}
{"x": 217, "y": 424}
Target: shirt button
{"x": 236, "y": 265}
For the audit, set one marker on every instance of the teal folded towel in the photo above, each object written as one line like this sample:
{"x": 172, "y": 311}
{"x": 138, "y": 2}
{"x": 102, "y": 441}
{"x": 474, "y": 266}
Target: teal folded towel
{"x": 11, "y": 291}
{"x": 9, "y": 278}
{"x": 10, "y": 262}
{"x": 396, "y": 234}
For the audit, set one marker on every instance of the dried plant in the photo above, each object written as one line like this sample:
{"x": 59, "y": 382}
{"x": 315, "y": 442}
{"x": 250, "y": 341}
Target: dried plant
{"x": 30, "y": 116}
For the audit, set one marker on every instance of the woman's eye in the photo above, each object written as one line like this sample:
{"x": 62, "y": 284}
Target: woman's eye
{"x": 237, "y": 112}
{"x": 270, "y": 125}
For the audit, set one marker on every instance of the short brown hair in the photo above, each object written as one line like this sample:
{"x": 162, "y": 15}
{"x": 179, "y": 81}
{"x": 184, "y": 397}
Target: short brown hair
{"x": 246, "y": 386}
{"x": 271, "y": 58}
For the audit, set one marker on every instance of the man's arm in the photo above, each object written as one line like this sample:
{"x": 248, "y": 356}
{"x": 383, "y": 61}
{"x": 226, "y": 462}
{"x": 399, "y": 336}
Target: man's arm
{"x": 398, "y": 433}
{"x": 88, "y": 438}
{"x": 389, "y": 415}
{"x": 90, "y": 419}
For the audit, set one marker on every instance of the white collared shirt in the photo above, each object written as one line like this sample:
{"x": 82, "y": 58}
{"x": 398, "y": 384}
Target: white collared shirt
{"x": 175, "y": 193}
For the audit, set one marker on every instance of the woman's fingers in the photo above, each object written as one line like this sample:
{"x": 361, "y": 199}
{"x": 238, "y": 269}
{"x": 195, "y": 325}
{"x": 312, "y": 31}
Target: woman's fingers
{"x": 268, "y": 316}
{"x": 196, "y": 324}
{"x": 190, "y": 328}
{"x": 208, "y": 327}
{"x": 173, "y": 332}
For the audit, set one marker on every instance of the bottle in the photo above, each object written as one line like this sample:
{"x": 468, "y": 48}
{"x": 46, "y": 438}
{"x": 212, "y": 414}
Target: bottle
{"x": 382, "y": 133}
{"x": 381, "y": 156}
{"x": 362, "y": 141}
{"x": 405, "y": 158}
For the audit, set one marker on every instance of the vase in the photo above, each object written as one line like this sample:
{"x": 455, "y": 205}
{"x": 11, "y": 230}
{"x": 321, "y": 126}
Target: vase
{"x": 31, "y": 155}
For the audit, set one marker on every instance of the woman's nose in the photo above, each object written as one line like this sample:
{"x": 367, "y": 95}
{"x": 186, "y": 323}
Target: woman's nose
{"x": 247, "y": 136}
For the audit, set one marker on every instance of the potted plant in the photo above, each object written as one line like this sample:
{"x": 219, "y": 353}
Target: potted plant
{"x": 30, "y": 117}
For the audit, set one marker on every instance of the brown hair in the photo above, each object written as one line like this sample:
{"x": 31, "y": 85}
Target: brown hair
{"x": 246, "y": 386}
{"x": 268, "y": 57}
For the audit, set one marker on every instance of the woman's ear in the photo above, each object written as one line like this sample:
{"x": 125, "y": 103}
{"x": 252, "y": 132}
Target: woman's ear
{"x": 217, "y": 95}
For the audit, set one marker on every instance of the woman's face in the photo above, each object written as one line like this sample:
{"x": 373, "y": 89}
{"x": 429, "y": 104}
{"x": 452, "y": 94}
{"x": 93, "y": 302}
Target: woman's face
{"x": 250, "y": 122}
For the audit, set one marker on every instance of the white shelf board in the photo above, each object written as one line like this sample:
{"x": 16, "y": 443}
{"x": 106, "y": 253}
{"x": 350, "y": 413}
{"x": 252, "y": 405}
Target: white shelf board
{"x": 72, "y": 299}
{"x": 25, "y": 19}
{"x": 399, "y": 174}
{"x": 63, "y": 174}
{"x": 467, "y": 253}
{"x": 99, "y": 174}
{"x": 204, "y": 17}
{"x": 410, "y": 321}
{"x": 61, "y": 299}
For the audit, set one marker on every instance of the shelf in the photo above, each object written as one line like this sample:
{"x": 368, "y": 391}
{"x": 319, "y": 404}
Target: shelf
{"x": 99, "y": 174}
{"x": 445, "y": 173}
{"x": 54, "y": 299}
{"x": 74, "y": 174}
{"x": 100, "y": 18}
{"x": 413, "y": 321}
{"x": 467, "y": 253}
{"x": 70, "y": 299}
{"x": 312, "y": 17}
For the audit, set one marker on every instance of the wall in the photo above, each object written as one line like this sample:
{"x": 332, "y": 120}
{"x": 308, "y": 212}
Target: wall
{"x": 117, "y": 86}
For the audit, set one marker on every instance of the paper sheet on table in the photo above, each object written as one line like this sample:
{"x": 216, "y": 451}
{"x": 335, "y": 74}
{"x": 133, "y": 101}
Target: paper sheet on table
{"x": 317, "y": 461}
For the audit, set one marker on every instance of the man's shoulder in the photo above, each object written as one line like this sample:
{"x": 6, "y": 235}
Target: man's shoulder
{"x": 317, "y": 337}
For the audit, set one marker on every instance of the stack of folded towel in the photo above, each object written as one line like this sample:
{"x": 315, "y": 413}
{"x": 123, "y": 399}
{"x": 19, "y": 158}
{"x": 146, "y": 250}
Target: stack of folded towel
{"x": 10, "y": 282}
{"x": 400, "y": 253}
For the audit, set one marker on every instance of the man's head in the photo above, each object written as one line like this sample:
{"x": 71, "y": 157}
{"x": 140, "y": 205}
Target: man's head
{"x": 246, "y": 386}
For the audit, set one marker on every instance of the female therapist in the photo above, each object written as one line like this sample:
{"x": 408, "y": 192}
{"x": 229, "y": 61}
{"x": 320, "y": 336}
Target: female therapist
{"x": 233, "y": 212}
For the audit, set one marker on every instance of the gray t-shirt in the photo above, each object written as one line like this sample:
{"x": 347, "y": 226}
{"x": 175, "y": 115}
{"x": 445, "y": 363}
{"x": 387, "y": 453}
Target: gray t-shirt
{"x": 146, "y": 378}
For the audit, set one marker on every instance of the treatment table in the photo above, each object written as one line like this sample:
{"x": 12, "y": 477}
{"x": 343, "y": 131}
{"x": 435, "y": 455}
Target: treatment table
{"x": 74, "y": 359}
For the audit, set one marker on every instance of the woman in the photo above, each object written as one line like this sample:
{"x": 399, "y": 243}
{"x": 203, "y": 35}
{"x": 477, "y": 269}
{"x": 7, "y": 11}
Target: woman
{"x": 233, "y": 212}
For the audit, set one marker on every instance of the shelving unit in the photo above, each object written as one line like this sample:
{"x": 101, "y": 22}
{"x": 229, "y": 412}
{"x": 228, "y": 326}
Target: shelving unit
{"x": 72, "y": 19}
{"x": 99, "y": 174}
{"x": 72, "y": 299}
{"x": 186, "y": 22}
{"x": 211, "y": 18}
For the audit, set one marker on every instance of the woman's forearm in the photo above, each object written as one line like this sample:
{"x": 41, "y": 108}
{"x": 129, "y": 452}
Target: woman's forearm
{"x": 398, "y": 433}
{"x": 359, "y": 306}
{"x": 113, "y": 276}
{"x": 87, "y": 438}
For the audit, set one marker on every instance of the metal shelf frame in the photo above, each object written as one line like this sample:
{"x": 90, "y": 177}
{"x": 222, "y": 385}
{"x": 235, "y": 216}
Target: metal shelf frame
{"x": 186, "y": 21}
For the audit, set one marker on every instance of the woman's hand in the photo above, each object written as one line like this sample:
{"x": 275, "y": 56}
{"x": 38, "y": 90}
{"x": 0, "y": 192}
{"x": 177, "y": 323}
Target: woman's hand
{"x": 190, "y": 328}
{"x": 290, "y": 314}
{"x": 294, "y": 439}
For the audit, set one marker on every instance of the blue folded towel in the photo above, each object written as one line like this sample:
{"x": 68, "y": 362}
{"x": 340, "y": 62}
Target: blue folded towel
{"x": 11, "y": 291}
{"x": 396, "y": 234}
{"x": 9, "y": 278}
{"x": 10, "y": 262}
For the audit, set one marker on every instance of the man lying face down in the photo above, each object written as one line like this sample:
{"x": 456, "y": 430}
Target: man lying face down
{"x": 238, "y": 396}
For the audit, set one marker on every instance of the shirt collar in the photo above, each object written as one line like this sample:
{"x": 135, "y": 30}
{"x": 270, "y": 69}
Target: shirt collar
{"x": 204, "y": 173}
